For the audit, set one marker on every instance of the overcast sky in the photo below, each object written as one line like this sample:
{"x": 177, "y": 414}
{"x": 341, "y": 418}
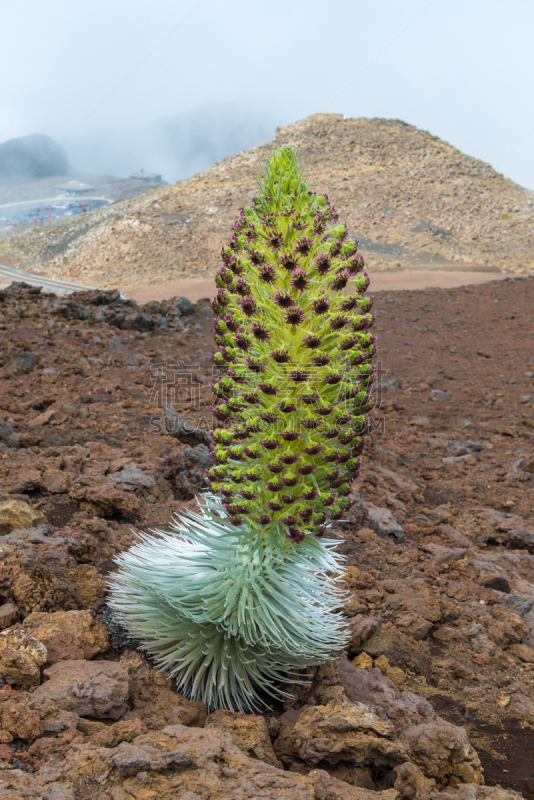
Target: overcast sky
{"x": 89, "y": 74}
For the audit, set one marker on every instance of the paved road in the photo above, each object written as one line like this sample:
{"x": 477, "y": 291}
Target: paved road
{"x": 37, "y": 280}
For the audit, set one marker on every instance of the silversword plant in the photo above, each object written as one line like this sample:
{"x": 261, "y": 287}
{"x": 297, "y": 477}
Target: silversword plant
{"x": 245, "y": 593}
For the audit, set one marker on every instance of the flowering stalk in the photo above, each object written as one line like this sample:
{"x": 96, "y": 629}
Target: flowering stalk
{"x": 244, "y": 593}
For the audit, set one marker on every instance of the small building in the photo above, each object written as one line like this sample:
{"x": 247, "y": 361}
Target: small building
{"x": 148, "y": 177}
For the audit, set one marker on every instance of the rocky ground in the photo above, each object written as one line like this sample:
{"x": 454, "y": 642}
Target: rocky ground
{"x": 412, "y": 200}
{"x": 435, "y": 696}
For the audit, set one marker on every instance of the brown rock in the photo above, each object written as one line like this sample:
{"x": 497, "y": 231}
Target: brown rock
{"x": 125, "y": 730}
{"x": 328, "y": 787}
{"x": 361, "y": 629}
{"x": 68, "y": 634}
{"x": 55, "y": 481}
{"x": 249, "y": 732}
{"x": 88, "y": 583}
{"x": 16, "y": 514}
{"x": 17, "y": 720}
{"x": 53, "y": 747}
{"x": 21, "y": 657}
{"x": 363, "y": 661}
{"x": 152, "y": 766}
{"x": 154, "y": 698}
{"x": 367, "y": 686}
{"x": 9, "y": 613}
{"x": 30, "y": 583}
{"x": 104, "y": 497}
{"x": 411, "y": 784}
{"x": 395, "y": 674}
{"x": 524, "y": 652}
{"x": 399, "y": 649}
{"x": 344, "y": 732}
{"x": 443, "y": 752}
{"x": 23, "y": 479}
{"x": 89, "y": 688}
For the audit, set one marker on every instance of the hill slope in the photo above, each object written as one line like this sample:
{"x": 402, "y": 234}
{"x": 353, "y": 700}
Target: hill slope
{"x": 412, "y": 200}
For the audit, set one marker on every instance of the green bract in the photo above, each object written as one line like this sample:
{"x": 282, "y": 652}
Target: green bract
{"x": 244, "y": 593}
{"x": 294, "y": 353}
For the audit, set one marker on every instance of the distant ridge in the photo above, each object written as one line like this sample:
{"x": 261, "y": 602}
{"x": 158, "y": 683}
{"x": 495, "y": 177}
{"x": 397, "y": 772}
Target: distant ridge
{"x": 412, "y": 200}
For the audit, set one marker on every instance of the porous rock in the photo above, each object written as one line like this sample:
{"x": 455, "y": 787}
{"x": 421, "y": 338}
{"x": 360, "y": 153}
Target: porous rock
{"x": 68, "y": 634}
{"x": 249, "y": 732}
{"x": 89, "y": 688}
{"x": 341, "y": 731}
{"x": 152, "y": 766}
{"x": 21, "y": 657}
{"x": 17, "y": 514}
{"x": 443, "y": 752}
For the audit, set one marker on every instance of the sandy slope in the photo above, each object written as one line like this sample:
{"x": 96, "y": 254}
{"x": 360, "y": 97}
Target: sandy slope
{"x": 412, "y": 200}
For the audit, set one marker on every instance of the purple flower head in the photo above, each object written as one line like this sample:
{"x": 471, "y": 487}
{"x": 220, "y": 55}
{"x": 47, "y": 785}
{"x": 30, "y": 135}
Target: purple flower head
{"x": 222, "y": 297}
{"x": 286, "y": 407}
{"x": 324, "y": 411}
{"x": 321, "y": 305}
{"x": 251, "y": 233}
{"x": 270, "y": 417}
{"x": 321, "y": 360}
{"x": 322, "y": 263}
{"x": 275, "y": 506}
{"x": 309, "y": 399}
{"x": 283, "y": 299}
{"x": 298, "y": 223}
{"x": 314, "y": 449}
{"x": 312, "y": 340}
{"x": 268, "y": 388}
{"x": 289, "y": 436}
{"x": 290, "y": 481}
{"x": 280, "y": 356}
{"x": 242, "y": 341}
{"x": 261, "y": 332}
{"x": 275, "y": 486}
{"x": 311, "y": 423}
{"x": 256, "y": 258}
{"x": 306, "y": 514}
{"x": 264, "y": 519}
{"x": 294, "y": 315}
{"x": 249, "y": 305}
{"x": 340, "y": 281}
{"x": 310, "y": 495}
{"x": 236, "y": 265}
{"x": 269, "y": 219}
{"x": 267, "y": 273}
{"x": 356, "y": 264}
{"x": 276, "y": 240}
{"x": 270, "y": 444}
{"x": 333, "y": 378}
{"x": 296, "y": 535}
{"x": 289, "y": 459}
{"x": 298, "y": 376}
{"x": 242, "y": 287}
{"x": 254, "y": 365}
{"x": 307, "y": 469}
{"x": 330, "y": 433}
{"x": 350, "y": 302}
{"x": 289, "y": 520}
{"x": 231, "y": 321}
{"x": 338, "y": 322}
{"x": 299, "y": 280}
{"x": 289, "y": 262}
{"x": 303, "y": 246}
{"x": 348, "y": 342}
